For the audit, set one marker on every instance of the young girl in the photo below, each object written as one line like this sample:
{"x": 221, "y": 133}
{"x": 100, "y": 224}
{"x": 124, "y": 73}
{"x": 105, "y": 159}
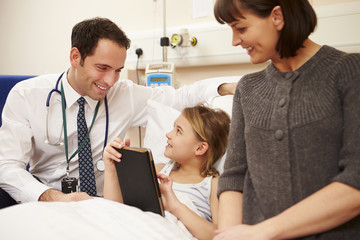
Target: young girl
{"x": 197, "y": 142}
{"x": 292, "y": 166}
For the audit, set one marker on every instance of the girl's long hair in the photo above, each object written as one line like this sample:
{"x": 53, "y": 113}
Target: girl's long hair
{"x": 210, "y": 126}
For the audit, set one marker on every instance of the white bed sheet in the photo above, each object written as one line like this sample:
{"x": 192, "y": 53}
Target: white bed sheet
{"x": 90, "y": 219}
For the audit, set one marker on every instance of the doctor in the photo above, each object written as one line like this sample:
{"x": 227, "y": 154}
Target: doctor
{"x": 30, "y": 134}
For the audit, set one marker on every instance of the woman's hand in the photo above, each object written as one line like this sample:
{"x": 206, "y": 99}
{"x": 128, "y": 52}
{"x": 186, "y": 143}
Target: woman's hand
{"x": 246, "y": 232}
{"x": 170, "y": 201}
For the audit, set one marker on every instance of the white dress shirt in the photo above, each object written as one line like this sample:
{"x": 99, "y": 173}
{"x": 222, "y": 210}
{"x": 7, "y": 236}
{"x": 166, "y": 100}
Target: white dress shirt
{"x": 23, "y": 131}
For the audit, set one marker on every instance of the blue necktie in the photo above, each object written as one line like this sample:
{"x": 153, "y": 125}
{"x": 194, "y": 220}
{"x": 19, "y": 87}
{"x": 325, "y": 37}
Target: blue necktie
{"x": 86, "y": 168}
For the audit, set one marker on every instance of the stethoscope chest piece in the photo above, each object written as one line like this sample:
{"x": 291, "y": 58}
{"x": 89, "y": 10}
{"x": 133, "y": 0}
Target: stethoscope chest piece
{"x": 100, "y": 165}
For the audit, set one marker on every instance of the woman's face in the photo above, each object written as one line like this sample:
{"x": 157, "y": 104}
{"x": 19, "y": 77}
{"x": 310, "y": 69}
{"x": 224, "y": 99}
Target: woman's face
{"x": 182, "y": 141}
{"x": 257, "y": 35}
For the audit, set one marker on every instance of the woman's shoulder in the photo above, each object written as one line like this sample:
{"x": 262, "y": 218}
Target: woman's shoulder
{"x": 344, "y": 66}
{"x": 341, "y": 58}
{"x": 254, "y": 75}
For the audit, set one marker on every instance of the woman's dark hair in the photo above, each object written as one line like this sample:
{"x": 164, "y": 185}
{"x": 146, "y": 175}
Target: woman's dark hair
{"x": 86, "y": 35}
{"x": 299, "y": 18}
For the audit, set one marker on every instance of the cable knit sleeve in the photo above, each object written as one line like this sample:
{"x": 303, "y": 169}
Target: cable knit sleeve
{"x": 349, "y": 81}
{"x": 235, "y": 164}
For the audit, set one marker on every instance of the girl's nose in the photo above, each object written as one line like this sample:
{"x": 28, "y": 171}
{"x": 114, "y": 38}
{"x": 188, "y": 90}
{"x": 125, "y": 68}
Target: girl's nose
{"x": 169, "y": 134}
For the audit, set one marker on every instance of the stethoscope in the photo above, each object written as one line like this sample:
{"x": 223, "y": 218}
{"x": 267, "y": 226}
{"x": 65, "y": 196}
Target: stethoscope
{"x": 100, "y": 163}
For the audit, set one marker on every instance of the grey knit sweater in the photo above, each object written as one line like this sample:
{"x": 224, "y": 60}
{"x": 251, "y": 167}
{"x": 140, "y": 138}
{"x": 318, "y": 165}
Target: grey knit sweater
{"x": 294, "y": 133}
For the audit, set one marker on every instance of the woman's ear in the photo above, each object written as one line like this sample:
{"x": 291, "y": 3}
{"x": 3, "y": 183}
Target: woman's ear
{"x": 277, "y": 18}
{"x": 75, "y": 57}
{"x": 201, "y": 148}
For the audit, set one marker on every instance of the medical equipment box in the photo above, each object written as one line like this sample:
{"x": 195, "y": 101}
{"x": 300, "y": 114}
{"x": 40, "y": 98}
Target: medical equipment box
{"x": 160, "y": 74}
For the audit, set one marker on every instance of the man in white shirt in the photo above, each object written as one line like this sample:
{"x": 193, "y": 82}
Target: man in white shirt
{"x": 29, "y": 135}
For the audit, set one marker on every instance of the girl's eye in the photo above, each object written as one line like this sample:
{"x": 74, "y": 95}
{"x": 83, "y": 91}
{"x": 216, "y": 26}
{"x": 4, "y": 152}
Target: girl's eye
{"x": 241, "y": 30}
{"x": 178, "y": 131}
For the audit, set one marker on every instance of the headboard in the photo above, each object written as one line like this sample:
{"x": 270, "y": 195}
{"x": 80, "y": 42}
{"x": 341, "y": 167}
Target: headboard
{"x": 6, "y": 83}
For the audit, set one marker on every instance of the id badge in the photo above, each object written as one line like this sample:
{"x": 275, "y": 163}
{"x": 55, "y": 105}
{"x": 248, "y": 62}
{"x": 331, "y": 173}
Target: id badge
{"x": 69, "y": 185}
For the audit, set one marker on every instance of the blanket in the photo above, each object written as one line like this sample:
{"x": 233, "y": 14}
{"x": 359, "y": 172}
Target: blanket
{"x": 91, "y": 219}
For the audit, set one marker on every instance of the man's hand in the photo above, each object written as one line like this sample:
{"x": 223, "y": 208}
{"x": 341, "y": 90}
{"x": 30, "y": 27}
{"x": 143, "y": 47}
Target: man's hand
{"x": 52, "y": 195}
{"x": 227, "y": 88}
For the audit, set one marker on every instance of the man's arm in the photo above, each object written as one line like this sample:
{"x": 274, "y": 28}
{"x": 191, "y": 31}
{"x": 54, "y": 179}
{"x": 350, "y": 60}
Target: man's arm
{"x": 227, "y": 89}
{"x": 52, "y": 195}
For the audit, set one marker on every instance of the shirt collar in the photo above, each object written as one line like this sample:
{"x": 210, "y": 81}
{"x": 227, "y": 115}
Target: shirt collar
{"x": 72, "y": 96}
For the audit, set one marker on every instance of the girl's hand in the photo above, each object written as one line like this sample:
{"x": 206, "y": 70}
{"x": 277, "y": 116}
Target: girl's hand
{"x": 170, "y": 201}
{"x": 110, "y": 154}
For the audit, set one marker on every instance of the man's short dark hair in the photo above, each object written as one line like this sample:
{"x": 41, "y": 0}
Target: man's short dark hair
{"x": 86, "y": 35}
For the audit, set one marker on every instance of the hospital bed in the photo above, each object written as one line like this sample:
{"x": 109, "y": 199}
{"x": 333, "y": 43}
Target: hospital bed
{"x": 103, "y": 219}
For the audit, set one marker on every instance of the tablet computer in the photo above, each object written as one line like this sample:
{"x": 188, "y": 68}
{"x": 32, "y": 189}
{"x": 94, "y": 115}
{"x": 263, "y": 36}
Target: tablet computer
{"x": 138, "y": 181}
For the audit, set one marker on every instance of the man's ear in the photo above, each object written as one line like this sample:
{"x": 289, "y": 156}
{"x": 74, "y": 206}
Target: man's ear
{"x": 278, "y": 18}
{"x": 201, "y": 148}
{"x": 75, "y": 57}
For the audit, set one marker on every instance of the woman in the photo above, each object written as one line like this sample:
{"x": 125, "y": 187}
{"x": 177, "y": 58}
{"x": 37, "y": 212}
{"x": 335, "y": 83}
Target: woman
{"x": 293, "y": 162}
{"x": 198, "y": 140}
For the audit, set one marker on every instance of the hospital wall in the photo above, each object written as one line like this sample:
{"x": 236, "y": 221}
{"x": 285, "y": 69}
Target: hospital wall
{"x": 35, "y": 35}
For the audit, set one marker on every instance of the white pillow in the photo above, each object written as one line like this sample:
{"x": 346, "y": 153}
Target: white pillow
{"x": 162, "y": 117}
{"x": 161, "y": 121}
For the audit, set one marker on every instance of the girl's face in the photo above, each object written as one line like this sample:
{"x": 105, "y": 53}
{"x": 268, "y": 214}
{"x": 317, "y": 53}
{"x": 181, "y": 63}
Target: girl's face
{"x": 257, "y": 35}
{"x": 182, "y": 141}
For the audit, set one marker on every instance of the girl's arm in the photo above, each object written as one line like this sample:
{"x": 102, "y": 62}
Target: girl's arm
{"x": 112, "y": 190}
{"x": 214, "y": 201}
{"x": 197, "y": 226}
{"x": 326, "y": 209}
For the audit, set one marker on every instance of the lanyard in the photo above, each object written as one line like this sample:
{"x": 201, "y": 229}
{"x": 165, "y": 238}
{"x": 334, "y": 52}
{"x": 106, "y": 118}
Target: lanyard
{"x": 63, "y": 103}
